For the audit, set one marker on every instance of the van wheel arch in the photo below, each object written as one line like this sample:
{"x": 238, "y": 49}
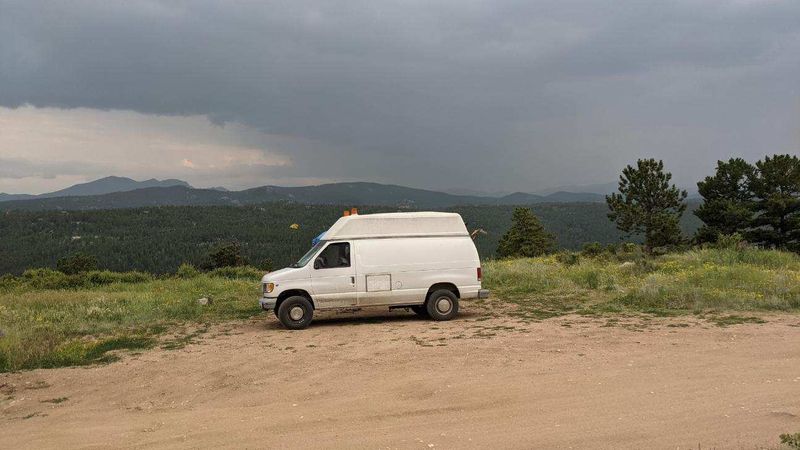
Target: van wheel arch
{"x": 291, "y": 293}
{"x": 446, "y": 286}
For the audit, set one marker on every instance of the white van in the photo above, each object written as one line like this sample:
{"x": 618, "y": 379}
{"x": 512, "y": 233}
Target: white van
{"x": 425, "y": 261}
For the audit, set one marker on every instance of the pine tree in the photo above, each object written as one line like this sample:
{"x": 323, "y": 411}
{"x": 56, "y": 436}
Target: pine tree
{"x": 225, "y": 255}
{"x": 727, "y": 200}
{"x": 777, "y": 205}
{"x": 526, "y": 237}
{"x": 647, "y": 204}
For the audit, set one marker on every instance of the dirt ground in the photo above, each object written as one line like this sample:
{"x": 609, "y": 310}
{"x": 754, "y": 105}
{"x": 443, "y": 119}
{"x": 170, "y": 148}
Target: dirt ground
{"x": 394, "y": 381}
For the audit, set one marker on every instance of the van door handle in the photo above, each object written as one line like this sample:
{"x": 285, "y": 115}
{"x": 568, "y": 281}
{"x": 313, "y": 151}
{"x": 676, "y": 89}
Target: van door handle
{"x": 352, "y": 280}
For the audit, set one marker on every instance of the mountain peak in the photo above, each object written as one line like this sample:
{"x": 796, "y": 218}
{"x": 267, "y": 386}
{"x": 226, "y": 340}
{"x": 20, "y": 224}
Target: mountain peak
{"x": 105, "y": 185}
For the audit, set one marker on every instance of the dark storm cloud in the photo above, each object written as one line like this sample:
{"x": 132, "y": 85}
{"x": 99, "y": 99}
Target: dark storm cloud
{"x": 494, "y": 95}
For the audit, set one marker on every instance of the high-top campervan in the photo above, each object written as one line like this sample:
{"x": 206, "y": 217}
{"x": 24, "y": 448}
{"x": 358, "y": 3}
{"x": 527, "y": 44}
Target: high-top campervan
{"x": 424, "y": 261}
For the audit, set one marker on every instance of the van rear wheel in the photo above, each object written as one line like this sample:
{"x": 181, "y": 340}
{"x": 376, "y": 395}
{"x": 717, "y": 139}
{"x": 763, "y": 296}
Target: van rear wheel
{"x": 295, "y": 313}
{"x": 442, "y": 305}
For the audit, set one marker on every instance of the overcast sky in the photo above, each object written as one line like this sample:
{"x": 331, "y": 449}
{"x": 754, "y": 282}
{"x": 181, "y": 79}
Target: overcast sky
{"x": 484, "y": 95}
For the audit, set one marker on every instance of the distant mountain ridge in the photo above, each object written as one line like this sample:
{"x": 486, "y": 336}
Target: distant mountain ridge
{"x": 9, "y": 197}
{"x": 597, "y": 188}
{"x": 179, "y": 193}
{"x": 101, "y": 186}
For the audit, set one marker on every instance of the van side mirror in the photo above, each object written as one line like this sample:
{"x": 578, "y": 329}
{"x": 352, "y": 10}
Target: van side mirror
{"x": 318, "y": 263}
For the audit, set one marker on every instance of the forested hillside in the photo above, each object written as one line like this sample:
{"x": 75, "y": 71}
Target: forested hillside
{"x": 159, "y": 239}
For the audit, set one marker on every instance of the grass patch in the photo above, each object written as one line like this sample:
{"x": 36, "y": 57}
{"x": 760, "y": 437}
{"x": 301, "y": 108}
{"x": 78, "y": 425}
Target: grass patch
{"x": 47, "y": 326}
{"x": 183, "y": 339}
{"x": 48, "y": 319}
{"x": 56, "y": 401}
{"x": 733, "y": 319}
{"x": 696, "y": 281}
{"x": 791, "y": 440}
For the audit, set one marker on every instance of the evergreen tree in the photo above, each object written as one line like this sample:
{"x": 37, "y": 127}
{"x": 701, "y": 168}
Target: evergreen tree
{"x": 777, "y": 206}
{"x": 226, "y": 255}
{"x": 647, "y": 204}
{"x": 526, "y": 237}
{"x": 727, "y": 200}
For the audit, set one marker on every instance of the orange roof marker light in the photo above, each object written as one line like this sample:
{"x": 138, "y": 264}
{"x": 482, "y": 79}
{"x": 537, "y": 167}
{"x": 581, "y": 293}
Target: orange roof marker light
{"x": 346, "y": 213}
{"x": 353, "y": 211}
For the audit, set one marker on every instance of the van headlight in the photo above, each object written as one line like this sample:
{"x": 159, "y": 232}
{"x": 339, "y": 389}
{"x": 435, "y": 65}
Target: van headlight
{"x": 269, "y": 287}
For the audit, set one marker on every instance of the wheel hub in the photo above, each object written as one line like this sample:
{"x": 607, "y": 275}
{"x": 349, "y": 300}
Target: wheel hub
{"x": 444, "y": 305}
{"x": 296, "y": 313}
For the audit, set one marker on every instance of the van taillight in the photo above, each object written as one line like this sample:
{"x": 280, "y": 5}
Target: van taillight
{"x": 479, "y": 274}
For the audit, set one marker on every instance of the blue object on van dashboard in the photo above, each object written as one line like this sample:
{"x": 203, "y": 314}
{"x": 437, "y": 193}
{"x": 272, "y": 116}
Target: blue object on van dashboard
{"x": 318, "y": 238}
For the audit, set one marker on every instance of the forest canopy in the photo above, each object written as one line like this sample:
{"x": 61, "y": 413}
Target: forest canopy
{"x": 159, "y": 239}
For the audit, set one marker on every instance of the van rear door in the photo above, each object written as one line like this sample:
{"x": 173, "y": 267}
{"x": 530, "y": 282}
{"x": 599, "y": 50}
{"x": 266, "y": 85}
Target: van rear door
{"x": 333, "y": 278}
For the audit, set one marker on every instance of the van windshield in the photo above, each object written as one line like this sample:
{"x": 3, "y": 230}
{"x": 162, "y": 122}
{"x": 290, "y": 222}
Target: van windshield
{"x": 310, "y": 254}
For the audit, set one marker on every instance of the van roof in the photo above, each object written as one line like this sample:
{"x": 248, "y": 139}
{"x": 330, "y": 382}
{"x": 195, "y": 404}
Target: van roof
{"x": 407, "y": 224}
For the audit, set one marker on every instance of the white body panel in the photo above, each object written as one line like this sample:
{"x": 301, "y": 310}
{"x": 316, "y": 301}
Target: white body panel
{"x": 394, "y": 260}
{"x": 415, "y": 264}
{"x": 334, "y": 288}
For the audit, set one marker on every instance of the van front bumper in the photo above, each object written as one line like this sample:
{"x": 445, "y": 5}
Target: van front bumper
{"x": 267, "y": 304}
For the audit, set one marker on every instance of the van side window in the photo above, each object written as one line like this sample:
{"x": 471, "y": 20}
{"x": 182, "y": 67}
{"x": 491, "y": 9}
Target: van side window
{"x": 335, "y": 255}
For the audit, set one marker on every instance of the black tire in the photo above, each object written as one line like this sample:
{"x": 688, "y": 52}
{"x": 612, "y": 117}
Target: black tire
{"x": 420, "y": 310}
{"x": 293, "y": 306}
{"x": 442, "y": 305}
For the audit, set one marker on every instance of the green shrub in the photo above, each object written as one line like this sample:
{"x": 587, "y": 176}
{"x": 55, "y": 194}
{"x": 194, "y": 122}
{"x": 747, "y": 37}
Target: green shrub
{"x": 8, "y": 281}
{"x": 132, "y": 277}
{"x": 591, "y": 249}
{"x": 629, "y": 251}
{"x": 661, "y": 251}
{"x": 100, "y": 278}
{"x": 46, "y": 279}
{"x": 240, "y": 272}
{"x": 568, "y": 258}
{"x": 224, "y": 255}
{"x": 187, "y": 271}
{"x": 630, "y": 247}
{"x": 730, "y": 241}
{"x": 53, "y": 279}
{"x": 588, "y": 278}
{"x": 77, "y": 263}
{"x": 267, "y": 265}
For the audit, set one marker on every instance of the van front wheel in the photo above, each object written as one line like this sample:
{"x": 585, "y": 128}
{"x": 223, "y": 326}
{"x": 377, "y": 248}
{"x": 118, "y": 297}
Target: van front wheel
{"x": 295, "y": 313}
{"x": 442, "y": 305}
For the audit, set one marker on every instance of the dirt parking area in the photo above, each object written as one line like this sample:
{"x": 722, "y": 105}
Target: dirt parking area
{"x": 394, "y": 381}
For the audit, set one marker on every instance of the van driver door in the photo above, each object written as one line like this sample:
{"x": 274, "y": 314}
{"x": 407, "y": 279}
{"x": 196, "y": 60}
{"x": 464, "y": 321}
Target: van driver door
{"x": 333, "y": 278}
